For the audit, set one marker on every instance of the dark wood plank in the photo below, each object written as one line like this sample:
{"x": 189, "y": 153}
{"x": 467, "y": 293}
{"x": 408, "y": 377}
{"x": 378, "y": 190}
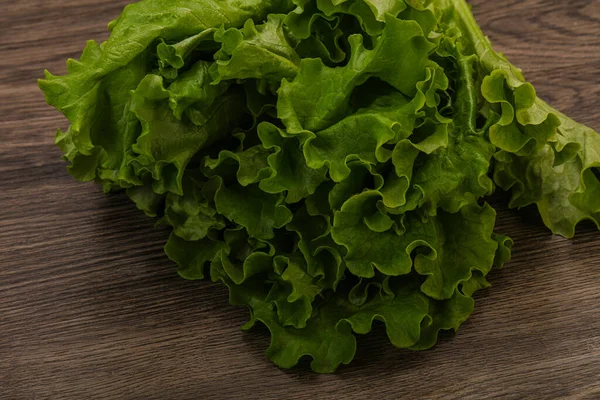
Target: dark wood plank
{"x": 91, "y": 308}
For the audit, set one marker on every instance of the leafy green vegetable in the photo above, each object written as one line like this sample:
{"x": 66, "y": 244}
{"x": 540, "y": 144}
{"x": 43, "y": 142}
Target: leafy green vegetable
{"x": 327, "y": 160}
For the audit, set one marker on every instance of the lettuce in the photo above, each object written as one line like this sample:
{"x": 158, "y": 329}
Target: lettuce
{"x": 326, "y": 160}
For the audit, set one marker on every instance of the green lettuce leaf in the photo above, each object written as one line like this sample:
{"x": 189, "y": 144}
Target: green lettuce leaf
{"x": 319, "y": 96}
{"x": 327, "y": 160}
{"x": 289, "y": 169}
{"x": 258, "y": 52}
{"x": 545, "y": 158}
{"x": 166, "y": 144}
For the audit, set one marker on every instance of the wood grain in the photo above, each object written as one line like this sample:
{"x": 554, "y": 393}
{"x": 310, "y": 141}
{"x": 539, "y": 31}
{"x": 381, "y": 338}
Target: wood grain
{"x": 91, "y": 308}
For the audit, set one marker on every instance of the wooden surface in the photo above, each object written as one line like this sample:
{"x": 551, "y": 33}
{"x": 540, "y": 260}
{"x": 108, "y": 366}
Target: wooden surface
{"x": 91, "y": 308}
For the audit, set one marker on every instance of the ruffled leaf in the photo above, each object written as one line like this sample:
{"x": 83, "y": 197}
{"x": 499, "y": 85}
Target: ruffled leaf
{"x": 462, "y": 244}
{"x": 319, "y": 96}
{"x": 167, "y": 144}
{"x": 289, "y": 170}
{"x": 172, "y": 57}
{"x": 259, "y": 52}
{"x": 255, "y": 210}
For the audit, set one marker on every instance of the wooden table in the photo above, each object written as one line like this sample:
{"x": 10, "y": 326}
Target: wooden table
{"x": 91, "y": 308}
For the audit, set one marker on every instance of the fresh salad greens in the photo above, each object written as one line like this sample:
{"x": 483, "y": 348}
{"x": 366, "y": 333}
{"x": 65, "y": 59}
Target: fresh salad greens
{"x": 326, "y": 159}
